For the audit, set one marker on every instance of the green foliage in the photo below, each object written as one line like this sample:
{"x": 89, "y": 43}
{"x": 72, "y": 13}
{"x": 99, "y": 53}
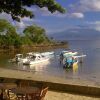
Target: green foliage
{"x": 17, "y": 7}
{"x": 32, "y": 34}
{"x": 36, "y": 34}
{"x": 17, "y": 41}
{"x": 26, "y": 41}
{"x": 7, "y": 28}
{"x": 8, "y": 35}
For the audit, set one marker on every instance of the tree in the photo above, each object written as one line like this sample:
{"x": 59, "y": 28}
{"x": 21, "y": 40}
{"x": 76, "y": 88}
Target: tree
{"x": 8, "y": 35}
{"x": 6, "y": 28}
{"x": 17, "y": 8}
{"x": 36, "y": 34}
{"x": 26, "y": 41}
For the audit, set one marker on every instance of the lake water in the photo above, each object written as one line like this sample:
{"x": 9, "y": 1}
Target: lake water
{"x": 88, "y": 70}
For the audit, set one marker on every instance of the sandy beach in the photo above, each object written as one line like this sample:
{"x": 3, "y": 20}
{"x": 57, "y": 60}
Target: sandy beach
{"x": 28, "y": 75}
{"x": 54, "y": 83}
{"x": 67, "y": 96}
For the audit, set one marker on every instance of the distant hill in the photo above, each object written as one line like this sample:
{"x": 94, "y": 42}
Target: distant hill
{"x": 74, "y": 34}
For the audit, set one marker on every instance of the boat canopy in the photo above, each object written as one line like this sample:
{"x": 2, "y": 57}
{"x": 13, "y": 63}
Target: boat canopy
{"x": 70, "y": 54}
{"x": 17, "y": 55}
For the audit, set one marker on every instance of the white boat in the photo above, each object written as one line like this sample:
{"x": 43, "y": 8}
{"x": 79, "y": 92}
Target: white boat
{"x": 47, "y": 53}
{"x": 17, "y": 58}
{"x": 81, "y": 56}
{"x": 66, "y": 54}
{"x": 31, "y": 54}
{"x": 36, "y": 58}
{"x": 69, "y": 62}
{"x": 28, "y": 57}
{"x": 69, "y": 59}
{"x": 20, "y": 58}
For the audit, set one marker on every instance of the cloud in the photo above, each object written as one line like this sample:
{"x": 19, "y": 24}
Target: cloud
{"x": 32, "y": 8}
{"x": 77, "y": 15}
{"x": 28, "y": 20}
{"x": 6, "y": 16}
{"x": 44, "y": 12}
{"x": 3, "y": 15}
{"x": 94, "y": 25}
{"x": 51, "y": 30}
{"x": 20, "y": 24}
{"x": 55, "y": 30}
{"x": 91, "y": 5}
{"x": 85, "y": 6}
{"x": 9, "y": 18}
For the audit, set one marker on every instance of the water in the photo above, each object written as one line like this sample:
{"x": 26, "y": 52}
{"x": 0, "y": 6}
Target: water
{"x": 88, "y": 70}
{"x": 91, "y": 66}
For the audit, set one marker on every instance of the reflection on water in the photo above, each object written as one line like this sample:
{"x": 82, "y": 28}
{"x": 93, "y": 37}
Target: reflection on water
{"x": 36, "y": 67}
{"x": 40, "y": 67}
{"x": 52, "y": 68}
{"x": 89, "y": 69}
{"x": 75, "y": 68}
{"x": 20, "y": 66}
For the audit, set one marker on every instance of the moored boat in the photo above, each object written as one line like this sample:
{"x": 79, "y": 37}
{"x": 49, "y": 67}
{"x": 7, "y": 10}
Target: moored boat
{"x": 66, "y": 54}
{"x": 47, "y": 53}
{"x": 35, "y": 59}
{"x": 69, "y": 59}
{"x": 17, "y": 58}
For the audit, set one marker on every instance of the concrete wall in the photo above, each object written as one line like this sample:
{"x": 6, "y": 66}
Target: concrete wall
{"x": 76, "y": 89}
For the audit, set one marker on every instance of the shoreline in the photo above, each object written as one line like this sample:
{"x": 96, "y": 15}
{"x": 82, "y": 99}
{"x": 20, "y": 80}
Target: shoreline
{"x": 55, "y": 83}
{"x": 38, "y": 47}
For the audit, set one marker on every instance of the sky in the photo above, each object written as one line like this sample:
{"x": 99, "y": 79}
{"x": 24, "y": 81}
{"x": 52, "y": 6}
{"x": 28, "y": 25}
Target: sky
{"x": 80, "y": 14}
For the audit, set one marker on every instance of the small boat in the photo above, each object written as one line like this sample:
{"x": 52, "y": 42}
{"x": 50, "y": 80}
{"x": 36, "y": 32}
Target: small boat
{"x": 28, "y": 57}
{"x": 47, "y": 53}
{"x": 17, "y": 58}
{"x": 66, "y": 54}
{"x": 20, "y": 58}
{"x": 36, "y": 58}
{"x": 70, "y": 59}
{"x": 69, "y": 62}
{"x": 31, "y": 54}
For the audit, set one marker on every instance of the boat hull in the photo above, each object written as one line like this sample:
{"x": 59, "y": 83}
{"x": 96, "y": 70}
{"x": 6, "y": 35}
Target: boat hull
{"x": 36, "y": 62}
